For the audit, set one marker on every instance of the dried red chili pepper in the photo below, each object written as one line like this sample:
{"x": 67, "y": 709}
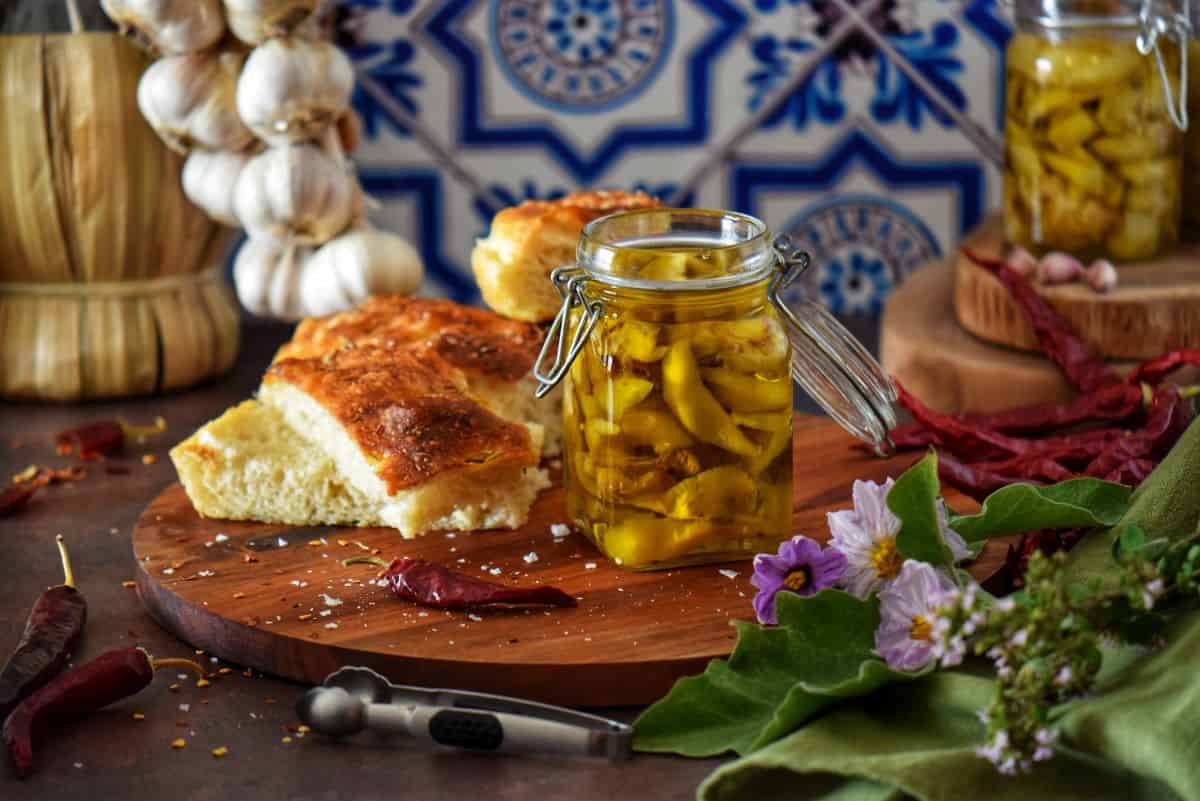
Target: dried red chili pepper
{"x": 972, "y": 481}
{"x": 1111, "y": 404}
{"x": 51, "y": 634}
{"x": 103, "y": 437}
{"x": 1165, "y": 422}
{"x": 15, "y": 496}
{"x": 433, "y": 585}
{"x": 105, "y": 680}
{"x": 962, "y": 437}
{"x": 1155, "y": 370}
{"x": 1082, "y": 367}
{"x": 1026, "y": 468}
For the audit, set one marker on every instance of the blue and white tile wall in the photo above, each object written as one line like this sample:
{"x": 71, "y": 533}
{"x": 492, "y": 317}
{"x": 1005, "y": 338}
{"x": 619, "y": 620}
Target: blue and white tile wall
{"x": 868, "y": 129}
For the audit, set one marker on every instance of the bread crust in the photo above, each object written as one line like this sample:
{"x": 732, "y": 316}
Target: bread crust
{"x": 407, "y": 411}
{"x": 468, "y": 338}
{"x": 527, "y": 242}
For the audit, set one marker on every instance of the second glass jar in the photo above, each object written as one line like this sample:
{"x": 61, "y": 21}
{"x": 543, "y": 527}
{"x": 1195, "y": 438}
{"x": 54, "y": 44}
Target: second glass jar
{"x": 1092, "y": 154}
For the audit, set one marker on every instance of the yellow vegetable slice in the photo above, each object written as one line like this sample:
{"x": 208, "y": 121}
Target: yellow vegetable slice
{"x": 623, "y": 392}
{"x": 1080, "y": 168}
{"x": 746, "y": 393}
{"x": 635, "y": 340}
{"x": 721, "y": 492}
{"x": 778, "y": 440}
{"x": 1071, "y": 129}
{"x": 694, "y": 405}
{"x": 657, "y": 429}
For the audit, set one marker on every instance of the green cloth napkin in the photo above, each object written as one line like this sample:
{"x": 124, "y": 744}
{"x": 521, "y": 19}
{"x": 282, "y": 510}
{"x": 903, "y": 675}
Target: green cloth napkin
{"x": 1138, "y": 741}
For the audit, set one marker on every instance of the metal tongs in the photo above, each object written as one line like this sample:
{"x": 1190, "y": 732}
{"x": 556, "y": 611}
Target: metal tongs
{"x": 357, "y": 699}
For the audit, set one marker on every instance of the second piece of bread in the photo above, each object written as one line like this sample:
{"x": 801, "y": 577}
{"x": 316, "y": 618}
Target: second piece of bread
{"x": 527, "y": 242}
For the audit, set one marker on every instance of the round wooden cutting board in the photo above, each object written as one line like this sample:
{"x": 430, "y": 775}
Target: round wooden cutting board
{"x": 1155, "y": 307}
{"x": 278, "y": 598}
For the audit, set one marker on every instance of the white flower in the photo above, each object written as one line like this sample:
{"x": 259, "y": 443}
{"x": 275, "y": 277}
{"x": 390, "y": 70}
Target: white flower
{"x": 907, "y": 610}
{"x": 958, "y": 546}
{"x": 866, "y": 534}
{"x": 1045, "y": 736}
{"x": 1064, "y": 676}
{"x": 1019, "y": 638}
{"x": 1004, "y": 605}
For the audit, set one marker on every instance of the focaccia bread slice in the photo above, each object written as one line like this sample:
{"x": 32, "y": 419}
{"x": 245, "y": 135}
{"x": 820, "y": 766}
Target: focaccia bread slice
{"x": 402, "y": 429}
{"x": 249, "y": 464}
{"x": 493, "y": 354}
{"x": 527, "y": 242}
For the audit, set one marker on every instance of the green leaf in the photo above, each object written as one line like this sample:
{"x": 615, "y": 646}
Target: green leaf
{"x": 1131, "y": 538}
{"x": 776, "y": 679}
{"x": 1079, "y": 503}
{"x": 913, "y": 499}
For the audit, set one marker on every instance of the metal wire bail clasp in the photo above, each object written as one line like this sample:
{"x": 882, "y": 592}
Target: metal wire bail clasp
{"x": 829, "y": 363}
{"x": 561, "y": 346}
{"x": 1175, "y": 26}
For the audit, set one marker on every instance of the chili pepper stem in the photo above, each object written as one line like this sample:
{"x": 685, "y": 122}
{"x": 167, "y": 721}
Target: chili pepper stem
{"x": 177, "y": 662}
{"x": 365, "y": 560}
{"x": 140, "y": 432}
{"x": 1190, "y": 392}
{"x": 68, "y": 574}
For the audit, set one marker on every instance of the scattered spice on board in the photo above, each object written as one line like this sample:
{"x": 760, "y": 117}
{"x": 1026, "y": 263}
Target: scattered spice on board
{"x": 220, "y": 751}
{"x": 178, "y": 743}
{"x": 103, "y": 437}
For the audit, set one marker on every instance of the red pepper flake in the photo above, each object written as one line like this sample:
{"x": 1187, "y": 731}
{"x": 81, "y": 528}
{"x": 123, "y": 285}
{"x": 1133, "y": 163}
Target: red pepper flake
{"x": 103, "y": 437}
{"x": 15, "y": 497}
{"x": 129, "y": 585}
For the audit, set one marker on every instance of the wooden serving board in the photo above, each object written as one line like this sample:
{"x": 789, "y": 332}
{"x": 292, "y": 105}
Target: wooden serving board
{"x": 630, "y": 638}
{"x": 925, "y": 348}
{"x": 1155, "y": 307}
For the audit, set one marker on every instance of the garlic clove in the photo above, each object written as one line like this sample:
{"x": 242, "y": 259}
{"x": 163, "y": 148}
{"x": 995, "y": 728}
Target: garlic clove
{"x": 267, "y": 276}
{"x": 190, "y": 101}
{"x": 255, "y": 21}
{"x": 1102, "y": 275}
{"x": 168, "y": 27}
{"x": 347, "y": 270}
{"x": 1022, "y": 261}
{"x": 209, "y": 180}
{"x": 292, "y": 89}
{"x": 1059, "y": 268}
{"x": 294, "y": 192}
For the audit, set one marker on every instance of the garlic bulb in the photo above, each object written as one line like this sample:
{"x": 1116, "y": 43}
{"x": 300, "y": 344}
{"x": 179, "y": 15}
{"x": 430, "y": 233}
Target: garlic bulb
{"x": 292, "y": 89}
{"x": 294, "y": 192}
{"x": 255, "y": 21}
{"x": 209, "y": 179}
{"x": 190, "y": 101}
{"x": 169, "y": 27}
{"x": 267, "y": 276}
{"x": 347, "y": 270}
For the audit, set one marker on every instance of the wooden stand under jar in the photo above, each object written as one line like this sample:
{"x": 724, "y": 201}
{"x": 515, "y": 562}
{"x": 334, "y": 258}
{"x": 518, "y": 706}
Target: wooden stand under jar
{"x": 110, "y": 280}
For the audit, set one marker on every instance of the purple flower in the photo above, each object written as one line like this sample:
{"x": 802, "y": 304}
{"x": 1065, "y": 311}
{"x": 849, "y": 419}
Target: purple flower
{"x": 800, "y": 567}
{"x": 907, "y": 614}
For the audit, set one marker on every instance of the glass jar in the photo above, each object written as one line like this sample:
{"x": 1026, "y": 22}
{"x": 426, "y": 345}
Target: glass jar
{"x": 678, "y": 355}
{"x": 1191, "y": 138}
{"x": 1092, "y": 128}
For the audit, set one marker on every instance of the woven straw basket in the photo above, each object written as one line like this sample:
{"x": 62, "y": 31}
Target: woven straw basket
{"x": 110, "y": 280}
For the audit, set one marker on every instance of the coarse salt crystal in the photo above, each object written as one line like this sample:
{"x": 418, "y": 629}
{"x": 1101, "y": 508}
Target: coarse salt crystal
{"x": 167, "y": 571}
{"x": 331, "y": 625}
{"x": 530, "y": 557}
{"x": 729, "y": 574}
{"x": 281, "y": 542}
{"x": 590, "y": 566}
{"x": 560, "y": 531}
{"x": 381, "y": 582}
{"x": 185, "y": 707}
{"x": 476, "y": 618}
{"x": 221, "y": 538}
{"x": 330, "y": 600}
{"x": 79, "y": 764}
{"x": 495, "y": 571}
{"x": 208, "y": 544}
{"x": 422, "y": 614}
{"x": 206, "y": 573}
{"x": 325, "y": 612}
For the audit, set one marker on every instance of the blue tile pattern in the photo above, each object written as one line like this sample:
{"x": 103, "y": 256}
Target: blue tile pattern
{"x": 868, "y": 142}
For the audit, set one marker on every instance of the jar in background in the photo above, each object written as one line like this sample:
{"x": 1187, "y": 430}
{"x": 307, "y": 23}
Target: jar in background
{"x": 678, "y": 359}
{"x": 1093, "y": 143}
{"x": 1191, "y": 138}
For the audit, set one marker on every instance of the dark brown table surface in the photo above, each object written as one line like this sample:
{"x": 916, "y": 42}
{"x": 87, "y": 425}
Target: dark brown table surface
{"x": 112, "y": 756}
